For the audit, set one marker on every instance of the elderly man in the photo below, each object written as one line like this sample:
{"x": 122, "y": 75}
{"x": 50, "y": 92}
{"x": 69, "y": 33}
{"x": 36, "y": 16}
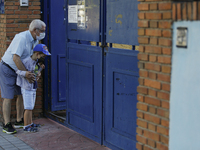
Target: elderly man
{"x": 21, "y": 47}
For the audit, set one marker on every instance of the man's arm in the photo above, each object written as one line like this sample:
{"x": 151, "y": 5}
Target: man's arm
{"x": 30, "y": 76}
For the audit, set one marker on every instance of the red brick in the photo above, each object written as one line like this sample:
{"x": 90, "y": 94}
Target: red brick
{"x": 166, "y": 33}
{"x": 165, "y": 24}
{"x": 151, "y": 135}
{"x": 23, "y": 12}
{"x": 194, "y": 10}
{"x": 166, "y": 69}
{"x": 141, "y": 139}
{"x": 152, "y": 109}
{"x": 142, "y": 106}
{"x": 139, "y": 146}
{"x": 167, "y": 15}
{"x": 141, "y": 15}
{"x": 141, "y": 123}
{"x": 163, "y": 77}
{"x": 141, "y": 81}
{"x": 184, "y": 11}
{"x": 152, "y": 58}
{"x": 179, "y": 17}
{"x": 12, "y": 16}
{"x": 161, "y": 146}
{"x": 165, "y": 42}
{"x": 141, "y": 31}
{"x": 34, "y": 7}
{"x": 141, "y": 48}
{"x": 143, "y": 23}
{"x": 164, "y": 6}
{"x": 174, "y": 11}
{"x": 166, "y": 51}
{"x": 152, "y": 66}
{"x": 140, "y": 114}
{"x": 163, "y": 95}
{"x": 147, "y": 148}
{"x": 153, "y": 6}
{"x": 142, "y": 56}
{"x": 165, "y": 87}
{"x": 143, "y": 40}
{"x": 140, "y": 98}
{"x": 153, "y": 24}
{"x": 151, "y": 143}
{"x": 189, "y": 11}
{"x": 153, "y": 41}
{"x": 165, "y": 104}
{"x": 163, "y": 130}
{"x": 142, "y": 90}
{"x": 152, "y": 75}
{"x": 36, "y": 3}
{"x": 152, "y": 83}
{"x": 9, "y": 12}
{"x": 165, "y": 123}
{"x": 152, "y": 92}
{"x": 143, "y": 6}
{"x": 163, "y": 112}
{"x": 143, "y": 73}
{"x": 8, "y": 3}
{"x": 153, "y": 49}
{"x": 11, "y": 7}
{"x": 164, "y": 59}
{"x": 153, "y": 16}
{"x": 139, "y": 131}
{"x": 153, "y": 32}
{"x": 198, "y": 10}
{"x": 152, "y": 101}
{"x": 164, "y": 139}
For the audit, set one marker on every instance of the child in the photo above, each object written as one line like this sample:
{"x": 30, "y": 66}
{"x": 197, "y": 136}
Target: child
{"x": 29, "y": 89}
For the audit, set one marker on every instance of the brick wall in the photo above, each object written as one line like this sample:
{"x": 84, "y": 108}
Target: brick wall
{"x": 2, "y": 46}
{"x": 186, "y": 11}
{"x": 155, "y": 45}
{"x": 17, "y": 19}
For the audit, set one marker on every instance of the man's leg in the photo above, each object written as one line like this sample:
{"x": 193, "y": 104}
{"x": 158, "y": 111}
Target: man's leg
{"x": 6, "y": 110}
{"x": 27, "y": 117}
{"x": 19, "y": 108}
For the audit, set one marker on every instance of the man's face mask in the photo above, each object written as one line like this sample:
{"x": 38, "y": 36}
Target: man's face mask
{"x": 41, "y": 36}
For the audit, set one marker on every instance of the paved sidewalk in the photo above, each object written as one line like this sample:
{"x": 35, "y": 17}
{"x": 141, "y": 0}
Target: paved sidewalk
{"x": 10, "y": 142}
{"x": 51, "y": 136}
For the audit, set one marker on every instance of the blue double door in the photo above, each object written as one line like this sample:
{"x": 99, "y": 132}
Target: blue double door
{"x": 95, "y": 82}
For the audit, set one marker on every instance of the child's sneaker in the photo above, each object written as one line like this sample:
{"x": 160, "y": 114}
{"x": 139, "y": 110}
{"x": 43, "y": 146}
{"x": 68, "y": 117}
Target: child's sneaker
{"x": 8, "y": 128}
{"x": 19, "y": 124}
{"x": 36, "y": 125}
{"x": 30, "y": 129}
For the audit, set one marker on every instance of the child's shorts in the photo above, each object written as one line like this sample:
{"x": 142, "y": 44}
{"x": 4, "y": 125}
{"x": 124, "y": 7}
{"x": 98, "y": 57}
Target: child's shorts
{"x": 29, "y": 97}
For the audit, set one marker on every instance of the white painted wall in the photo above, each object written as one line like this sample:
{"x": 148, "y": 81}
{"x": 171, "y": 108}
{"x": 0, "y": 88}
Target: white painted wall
{"x": 185, "y": 91}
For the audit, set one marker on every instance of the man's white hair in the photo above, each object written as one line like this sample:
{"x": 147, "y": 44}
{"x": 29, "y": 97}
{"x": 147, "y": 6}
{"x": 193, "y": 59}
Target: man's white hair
{"x": 36, "y": 24}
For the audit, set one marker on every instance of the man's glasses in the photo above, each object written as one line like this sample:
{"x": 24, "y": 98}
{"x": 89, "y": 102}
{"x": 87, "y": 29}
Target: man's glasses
{"x": 41, "y": 30}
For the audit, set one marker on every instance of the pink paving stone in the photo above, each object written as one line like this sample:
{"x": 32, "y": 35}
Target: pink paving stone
{"x": 53, "y": 135}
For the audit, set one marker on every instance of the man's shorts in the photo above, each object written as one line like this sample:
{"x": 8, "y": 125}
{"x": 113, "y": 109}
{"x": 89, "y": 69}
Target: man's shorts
{"x": 8, "y": 82}
{"x": 29, "y": 97}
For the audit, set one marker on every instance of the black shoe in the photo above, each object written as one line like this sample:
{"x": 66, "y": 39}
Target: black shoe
{"x": 8, "y": 128}
{"x": 19, "y": 124}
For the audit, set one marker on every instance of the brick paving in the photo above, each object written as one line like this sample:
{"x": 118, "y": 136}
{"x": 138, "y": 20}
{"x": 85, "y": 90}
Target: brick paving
{"x": 51, "y": 136}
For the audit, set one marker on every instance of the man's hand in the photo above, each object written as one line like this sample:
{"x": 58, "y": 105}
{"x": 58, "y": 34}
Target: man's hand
{"x": 30, "y": 76}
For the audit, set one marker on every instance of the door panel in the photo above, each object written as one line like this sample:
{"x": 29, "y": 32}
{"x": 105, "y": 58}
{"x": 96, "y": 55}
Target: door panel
{"x": 84, "y": 106}
{"x": 58, "y": 50}
{"x": 90, "y": 29}
{"x": 121, "y": 25}
{"x": 121, "y": 98}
